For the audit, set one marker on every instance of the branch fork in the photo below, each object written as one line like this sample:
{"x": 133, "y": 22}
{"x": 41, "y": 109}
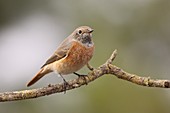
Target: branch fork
{"x": 106, "y": 68}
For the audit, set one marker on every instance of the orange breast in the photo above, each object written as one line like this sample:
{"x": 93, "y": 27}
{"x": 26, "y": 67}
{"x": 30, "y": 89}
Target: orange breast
{"x": 78, "y": 56}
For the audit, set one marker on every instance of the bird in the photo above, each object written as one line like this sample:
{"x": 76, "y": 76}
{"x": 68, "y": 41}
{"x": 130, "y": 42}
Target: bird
{"x": 72, "y": 54}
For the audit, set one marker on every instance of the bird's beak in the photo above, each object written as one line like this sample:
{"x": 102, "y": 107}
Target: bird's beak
{"x": 91, "y": 30}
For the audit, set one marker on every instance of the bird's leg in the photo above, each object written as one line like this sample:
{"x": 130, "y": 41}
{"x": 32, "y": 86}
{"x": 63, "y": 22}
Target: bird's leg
{"x": 65, "y": 83}
{"x": 90, "y": 67}
{"x": 81, "y": 76}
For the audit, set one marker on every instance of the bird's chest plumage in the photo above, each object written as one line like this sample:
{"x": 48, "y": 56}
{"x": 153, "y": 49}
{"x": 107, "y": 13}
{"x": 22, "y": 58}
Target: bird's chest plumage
{"x": 77, "y": 57}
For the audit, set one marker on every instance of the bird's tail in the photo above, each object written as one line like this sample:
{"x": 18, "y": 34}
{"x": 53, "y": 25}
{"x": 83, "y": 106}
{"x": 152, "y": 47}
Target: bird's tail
{"x": 39, "y": 75}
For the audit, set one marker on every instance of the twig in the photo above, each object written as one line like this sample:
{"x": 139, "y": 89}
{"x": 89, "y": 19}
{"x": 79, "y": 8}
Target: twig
{"x": 106, "y": 68}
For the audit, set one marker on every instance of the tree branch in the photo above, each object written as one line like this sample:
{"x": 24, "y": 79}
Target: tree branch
{"x": 106, "y": 68}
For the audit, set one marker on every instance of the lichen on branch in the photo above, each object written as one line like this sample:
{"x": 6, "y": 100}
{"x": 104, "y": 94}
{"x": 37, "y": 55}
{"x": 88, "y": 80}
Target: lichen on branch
{"x": 106, "y": 68}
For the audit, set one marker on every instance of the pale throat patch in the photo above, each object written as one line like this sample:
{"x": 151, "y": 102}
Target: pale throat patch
{"x": 87, "y": 44}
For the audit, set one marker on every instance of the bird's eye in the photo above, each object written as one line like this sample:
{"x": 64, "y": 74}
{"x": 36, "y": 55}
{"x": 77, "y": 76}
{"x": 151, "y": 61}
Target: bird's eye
{"x": 80, "y": 31}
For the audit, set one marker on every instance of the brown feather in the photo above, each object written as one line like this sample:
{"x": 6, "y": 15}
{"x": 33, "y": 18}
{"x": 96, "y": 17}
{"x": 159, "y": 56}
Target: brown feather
{"x": 39, "y": 75}
{"x": 60, "y": 53}
{"x": 72, "y": 54}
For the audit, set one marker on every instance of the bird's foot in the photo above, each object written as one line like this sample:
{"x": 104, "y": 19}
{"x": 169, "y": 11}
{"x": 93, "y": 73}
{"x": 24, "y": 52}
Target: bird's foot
{"x": 82, "y": 76}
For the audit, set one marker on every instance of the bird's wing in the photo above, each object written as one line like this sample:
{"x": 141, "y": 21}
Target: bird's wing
{"x": 60, "y": 53}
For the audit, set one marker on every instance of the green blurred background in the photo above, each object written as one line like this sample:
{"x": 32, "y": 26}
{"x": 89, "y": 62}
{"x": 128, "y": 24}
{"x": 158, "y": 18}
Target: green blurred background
{"x": 31, "y": 30}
